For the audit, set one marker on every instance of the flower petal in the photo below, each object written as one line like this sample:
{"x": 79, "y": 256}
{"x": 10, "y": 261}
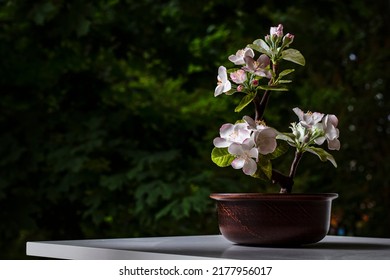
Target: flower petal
{"x": 238, "y": 163}
{"x": 226, "y": 130}
{"x": 266, "y": 140}
{"x": 334, "y": 144}
{"x": 263, "y": 61}
{"x": 221, "y": 142}
{"x": 333, "y": 120}
{"x": 316, "y": 118}
{"x": 332, "y": 133}
{"x": 238, "y": 58}
{"x": 320, "y": 140}
{"x": 222, "y": 74}
{"x": 299, "y": 113}
{"x": 254, "y": 153}
{"x": 227, "y": 86}
{"x": 224, "y": 84}
{"x": 251, "y": 122}
{"x": 236, "y": 149}
{"x": 249, "y": 167}
{"x": 249, "y": 52}
{"x": 218, "y": 90}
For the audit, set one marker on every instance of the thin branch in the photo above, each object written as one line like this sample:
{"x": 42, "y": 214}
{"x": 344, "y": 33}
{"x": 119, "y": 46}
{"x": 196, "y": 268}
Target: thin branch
{"x": 260, "y": 105}
{"x": 294, "y": 165}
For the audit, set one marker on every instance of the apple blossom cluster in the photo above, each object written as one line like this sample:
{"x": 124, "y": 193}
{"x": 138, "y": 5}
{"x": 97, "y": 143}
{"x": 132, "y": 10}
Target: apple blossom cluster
{"x": 314, "y": 128}
{"x": 245, "y": 141}
{"x": 248, "y": 76}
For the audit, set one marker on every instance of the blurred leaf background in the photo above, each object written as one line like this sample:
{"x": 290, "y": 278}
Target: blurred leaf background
{"x": 107, "y": 113}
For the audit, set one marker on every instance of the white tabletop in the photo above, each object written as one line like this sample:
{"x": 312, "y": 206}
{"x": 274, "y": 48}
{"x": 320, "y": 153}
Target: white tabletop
{"x": 207, "y": 247}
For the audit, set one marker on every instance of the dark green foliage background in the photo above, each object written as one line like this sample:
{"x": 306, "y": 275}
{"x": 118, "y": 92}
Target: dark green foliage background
{"x": 107, "y": 113}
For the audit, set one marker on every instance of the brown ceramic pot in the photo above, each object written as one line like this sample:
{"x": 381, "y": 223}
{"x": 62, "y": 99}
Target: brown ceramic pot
{"x": 274, "y": 219}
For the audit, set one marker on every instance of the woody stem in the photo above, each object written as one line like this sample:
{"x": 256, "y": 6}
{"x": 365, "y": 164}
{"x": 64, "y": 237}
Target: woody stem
{"x": 261, "y": 104}
{"x": 286, "y": 182}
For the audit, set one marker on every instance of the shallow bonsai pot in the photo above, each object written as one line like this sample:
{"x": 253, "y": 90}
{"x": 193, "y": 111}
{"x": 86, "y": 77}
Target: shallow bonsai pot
{"x": 274, "y": 219}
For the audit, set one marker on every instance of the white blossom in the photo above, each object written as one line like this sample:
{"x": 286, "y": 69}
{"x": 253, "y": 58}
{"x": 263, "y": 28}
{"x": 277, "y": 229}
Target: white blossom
{"x": 238, "y": 58}
{"x": 238, "y": 76}
{"x": 330, "y": 123}
{"x": 263, "y": 136}
{"x": 259, "y": 67}
{"x": 224, "y": 84}
{"x": 232, "y": 133}
{"x": 246, "y": 154}
{"x": 308, "y": 119}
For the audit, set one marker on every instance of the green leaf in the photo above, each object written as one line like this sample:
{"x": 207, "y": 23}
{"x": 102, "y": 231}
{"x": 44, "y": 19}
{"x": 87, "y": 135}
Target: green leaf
{"x": 230, "y": 92}
{"x": 254, "y": 47}
{"x": 281, "y": 149}
{"x": 259, "y": 174}
{"x": 286, "y": 72}
{"x": 322, "y": 154}
{"x": 293, "y": 55}
{"x": 288, "y": 137}
{"x": 266, "y": 166}
{"x": 284, "y": 81}
{"x": 221, "y": 157}
{"x": 264, "y": 169}
{"x": 261, "y": 46}
{"x": 245, "y": 101}
{"x": 275, "y": 87}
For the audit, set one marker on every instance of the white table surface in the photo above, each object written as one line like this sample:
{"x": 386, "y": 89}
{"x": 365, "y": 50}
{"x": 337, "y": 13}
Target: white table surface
{"x": 207, "y": 247}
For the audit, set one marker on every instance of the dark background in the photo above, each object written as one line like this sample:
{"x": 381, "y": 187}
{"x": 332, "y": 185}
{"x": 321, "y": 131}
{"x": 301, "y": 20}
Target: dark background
{"x": 107, "y": 113}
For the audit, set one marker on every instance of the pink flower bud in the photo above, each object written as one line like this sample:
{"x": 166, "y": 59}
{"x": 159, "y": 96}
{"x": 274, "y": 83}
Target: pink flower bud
{"x": 288, "y": 39}
{"x": 238, "y": 76}
{"x": 278, "y": 31}
{"x": 268, "y": 40}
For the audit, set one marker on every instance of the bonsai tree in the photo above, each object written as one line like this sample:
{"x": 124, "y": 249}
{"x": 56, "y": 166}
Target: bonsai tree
{"x": 250, "y": 144}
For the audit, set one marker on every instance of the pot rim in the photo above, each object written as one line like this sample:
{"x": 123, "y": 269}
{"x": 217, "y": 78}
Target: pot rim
{"x": 273, "y": 196}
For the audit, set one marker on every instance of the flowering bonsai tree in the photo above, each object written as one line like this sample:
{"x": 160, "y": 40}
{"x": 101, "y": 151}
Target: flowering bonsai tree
{"x": 250, "y": 144}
